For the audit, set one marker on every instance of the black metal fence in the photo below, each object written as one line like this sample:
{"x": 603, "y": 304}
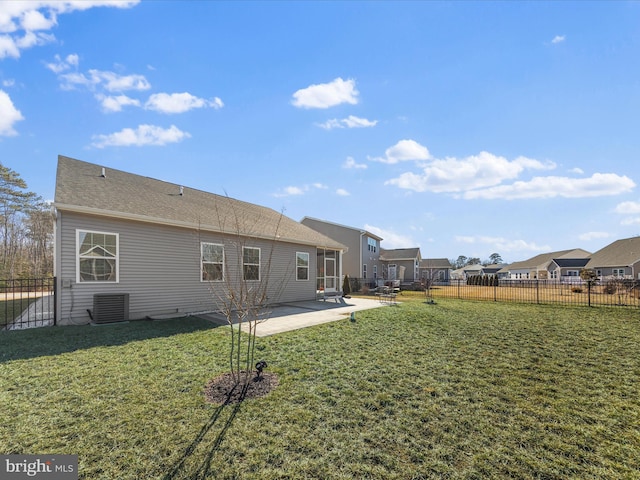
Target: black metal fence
{"x": 27, "y": 303}
{"x": 606, "y": 292}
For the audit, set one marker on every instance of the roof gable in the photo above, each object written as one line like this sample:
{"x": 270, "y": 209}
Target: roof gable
{"x": 311, "y": 220}
{"x": 82, "y": 187}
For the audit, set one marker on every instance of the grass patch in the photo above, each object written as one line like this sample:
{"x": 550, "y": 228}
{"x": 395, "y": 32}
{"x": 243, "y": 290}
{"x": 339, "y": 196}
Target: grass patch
{"x": 458, "y": 389}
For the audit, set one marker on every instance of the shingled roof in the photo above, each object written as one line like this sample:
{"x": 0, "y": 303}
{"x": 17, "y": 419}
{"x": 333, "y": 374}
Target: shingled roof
{"x": 543, "y": 260}
{"x": 399, "y": 254}
{"x": 92, "y": 189}
{"x": 621, "y": 253}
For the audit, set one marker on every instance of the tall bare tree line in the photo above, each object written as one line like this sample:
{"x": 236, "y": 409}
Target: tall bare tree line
{"x": 26, "y": 230}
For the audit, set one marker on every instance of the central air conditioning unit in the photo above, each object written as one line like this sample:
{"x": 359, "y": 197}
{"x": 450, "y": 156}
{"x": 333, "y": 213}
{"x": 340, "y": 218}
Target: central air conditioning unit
{"x": 110, "y": 307}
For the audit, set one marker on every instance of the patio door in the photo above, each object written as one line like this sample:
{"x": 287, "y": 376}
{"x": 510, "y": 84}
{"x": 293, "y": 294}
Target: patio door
{"x": 328, "y": 275}
{"x": 392, "y": 272}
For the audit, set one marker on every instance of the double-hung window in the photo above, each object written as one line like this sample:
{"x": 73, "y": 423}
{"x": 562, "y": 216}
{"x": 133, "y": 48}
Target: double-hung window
{"x": 251, "y": 263}
{"x": 212, "y": 262}
{"x": 302, "y": 266}
{"x": 97, "y": 259}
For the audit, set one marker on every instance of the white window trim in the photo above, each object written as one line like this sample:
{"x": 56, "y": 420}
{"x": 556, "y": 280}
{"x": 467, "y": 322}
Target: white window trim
{"x": 308, "y": 267}
{"x": 259, "y": 262}
{"x": 117, "y": 257}
{"x": 202, "y": 262}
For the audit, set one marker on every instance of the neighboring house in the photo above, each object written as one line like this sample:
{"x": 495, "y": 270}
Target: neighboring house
{"x": 437, "y": 270}
{"x": 567, "y": 269}
{"x": 620, "y": 259}
{"x": 362, "y": 258}
{"x": 467, "y": 271}
{"x": 539, "y": 267}
{"x": 401, "y": 264}
{"x": 493, "y": 269}
{"x": 146, "y": 247}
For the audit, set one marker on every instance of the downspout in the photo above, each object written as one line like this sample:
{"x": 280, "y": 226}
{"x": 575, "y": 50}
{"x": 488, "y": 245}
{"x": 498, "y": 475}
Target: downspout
{"x": 361, "y": 257}
{"x": 57, "y": 255}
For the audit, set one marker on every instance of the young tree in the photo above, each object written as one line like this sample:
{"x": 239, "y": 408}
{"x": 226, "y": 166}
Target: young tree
{"x": 346, "y": 286}
{"x": 239, "y": 273}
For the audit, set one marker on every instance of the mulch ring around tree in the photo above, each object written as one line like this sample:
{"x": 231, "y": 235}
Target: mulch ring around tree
{"x": 224, "y": 389}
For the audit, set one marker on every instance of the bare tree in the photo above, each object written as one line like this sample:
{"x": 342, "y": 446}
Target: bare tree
{"x": 240, "y": 272}
{"x": 39, "y": 235}
{"x": 18, "y": 211}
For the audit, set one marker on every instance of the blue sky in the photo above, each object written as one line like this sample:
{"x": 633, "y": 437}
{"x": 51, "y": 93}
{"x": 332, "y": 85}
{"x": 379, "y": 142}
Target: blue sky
{"x": 464, "y": 128}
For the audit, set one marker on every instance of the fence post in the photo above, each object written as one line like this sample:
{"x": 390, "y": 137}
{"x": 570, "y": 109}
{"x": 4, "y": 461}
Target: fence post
{"x": 537, "y": 291}
{"x": 55, "y": 301}
{"x": 495, "y": 288}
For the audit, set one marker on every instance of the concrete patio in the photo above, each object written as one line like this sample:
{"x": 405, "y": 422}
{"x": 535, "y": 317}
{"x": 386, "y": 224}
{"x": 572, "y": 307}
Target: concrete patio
{"x": 292, "y": 316}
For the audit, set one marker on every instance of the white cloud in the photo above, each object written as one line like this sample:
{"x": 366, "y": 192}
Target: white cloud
{"x": 9, "y": 115}
{"x": 109, "y": 81}
{"x": 179, "y": 102}
{"x": 402, "y": 151}
{"x": 598, "y": 185}
{"x": 33, "y": 20}
{"x": 630, "y": 221}
{"x": 593, "y": 235}
{"x": 632, "y": 210}
{"x": 294, "y": 190}
{"x": 351, "y": 163}
{"x": 390, "y": 238}
{"x": 502, "y": 244}
{"x": 577, "y": 170}
{"x": 628, "y": 208}
{"x": 342, "y": 192}
{"x": 23, "y": 23}
{"x": 457, "y": 175}
{"x": 350, "y": 122}
{"x": 144, "y": 135}
{"x": 61, "y": 65}
{"x": 115, "y": 103}
{"x": 558, "y": 39}
{"x": 484, "y": 176}
{"x": 327, "y": 95}
{"x": 112, "y": 82}
{"x": 291, "y": 191}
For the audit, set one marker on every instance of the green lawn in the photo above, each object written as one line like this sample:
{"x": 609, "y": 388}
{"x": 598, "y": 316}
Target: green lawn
{"x": 452, "y": 390}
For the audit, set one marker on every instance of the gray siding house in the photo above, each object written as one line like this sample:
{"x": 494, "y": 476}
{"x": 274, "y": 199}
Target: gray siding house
{"x": 540, "y": 266}
{"x": 435, "y": 270}
{"x": 146, "y": 247}
{"x": 401, "y": 264}
{"x": 620, "y": 259}
{"x": 362, "y": 258}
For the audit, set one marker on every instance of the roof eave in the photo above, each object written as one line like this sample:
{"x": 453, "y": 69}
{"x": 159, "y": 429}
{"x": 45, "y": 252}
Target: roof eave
{"x": 175, "y": 223}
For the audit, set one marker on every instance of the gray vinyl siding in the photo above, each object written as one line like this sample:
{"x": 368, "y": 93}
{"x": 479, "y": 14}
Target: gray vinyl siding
{"x": 159, "y": 267}
{"x": 356, "y": 241}
{"x": 346, "y": 236}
